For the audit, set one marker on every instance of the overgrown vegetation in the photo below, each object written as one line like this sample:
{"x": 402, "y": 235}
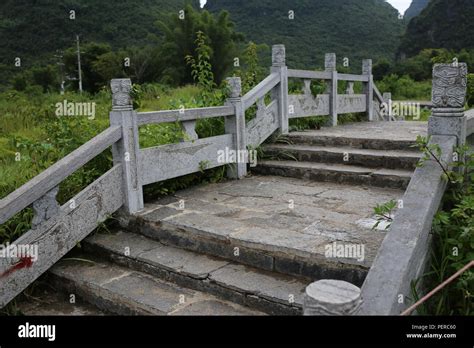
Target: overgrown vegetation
{"x": 453, "y": 235}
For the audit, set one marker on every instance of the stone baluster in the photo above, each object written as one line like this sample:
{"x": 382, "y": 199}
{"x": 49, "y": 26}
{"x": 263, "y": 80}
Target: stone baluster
{"x": 331, "y": 298}
{"x": 45, "y": 208}
{"x": 307, "y": 87}
{"x": 350, "y": 87}
{"x": 126, "y": 151}
{"x": 281, "y": 90}
{"x": 236, "y": 125}
{"x": 369, "y": 87}
{"x": 449, "y": 98}
{"x": 189, "y": 130}
{"x": 261, "y": 107}
{"x": 387, "y": 99}
{"x": 331, "y": 89}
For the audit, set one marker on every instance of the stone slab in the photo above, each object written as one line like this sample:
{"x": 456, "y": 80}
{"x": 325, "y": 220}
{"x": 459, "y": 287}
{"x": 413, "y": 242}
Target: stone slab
{"x": 196, "y": 271}
{"x": 240, "y": 278}
{"x": 152, "y": 252}
{"x": 124, "y": 291}
{"x": 260, "y": 221}
{"x": 340, "y": 173}
{"x": 396, "y": 131}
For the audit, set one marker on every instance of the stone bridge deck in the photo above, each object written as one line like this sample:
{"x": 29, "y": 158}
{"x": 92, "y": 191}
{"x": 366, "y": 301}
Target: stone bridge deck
{"x": 286, "y": 224}
{"x": 255, "y": 242}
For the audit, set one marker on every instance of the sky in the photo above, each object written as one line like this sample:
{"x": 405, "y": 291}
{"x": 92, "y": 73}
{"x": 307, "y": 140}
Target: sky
{"x": 400, "y": 5}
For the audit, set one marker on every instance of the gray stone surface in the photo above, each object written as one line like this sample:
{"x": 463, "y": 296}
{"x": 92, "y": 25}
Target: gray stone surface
{"x": 449, "y": 85}
{"x": 181, "y": 159}
{"x": 267, "y": 291}
{"x": 45, "y": 208}
{"x": 240, "y": 278}
{"x": 154, "y": 253}
{"x": 123, "y": 291}
{"x": 331, "y": 297}
{"x": 339, "y": 173}
{"x": 126, "y": 151}
{"x": 388, "y": 131}
{"x": 259, "y": 220}
{"x": 360, "y": 157}
{"x": 58, "y": 235}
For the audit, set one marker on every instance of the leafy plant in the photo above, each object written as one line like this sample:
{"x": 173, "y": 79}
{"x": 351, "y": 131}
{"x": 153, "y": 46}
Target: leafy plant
{"x": 384, "y": 213}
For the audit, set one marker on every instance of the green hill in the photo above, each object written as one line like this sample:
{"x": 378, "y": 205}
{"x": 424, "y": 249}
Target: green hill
{"x": 35, "y": 29}
{"x": 415, "y": 8}
{"x": 30, "y": 29}
{"x": 443, "y": 24}
{"x": 351, "y": 28}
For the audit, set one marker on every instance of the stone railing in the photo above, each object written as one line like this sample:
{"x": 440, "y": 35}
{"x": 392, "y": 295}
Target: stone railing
{"x": 331, "y": 103}
{"x": 57, "y": 229}
{"x": 405, "y": 251}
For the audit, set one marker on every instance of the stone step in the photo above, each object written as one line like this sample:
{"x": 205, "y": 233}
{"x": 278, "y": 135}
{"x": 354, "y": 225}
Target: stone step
{"x": 273, "y": 223}
{"x": 268, "y": 292}
{"x": 123, "y": 291}
{"x": 338, "y": 173}
{"x": 51, "y": 302}
{"x": 345, "y": 155}
{"x": 366, "y": 142}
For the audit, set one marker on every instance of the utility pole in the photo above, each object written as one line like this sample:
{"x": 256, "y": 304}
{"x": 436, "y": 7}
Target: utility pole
{"x": 59, "y": 56}
{"x": 79, "y": 63}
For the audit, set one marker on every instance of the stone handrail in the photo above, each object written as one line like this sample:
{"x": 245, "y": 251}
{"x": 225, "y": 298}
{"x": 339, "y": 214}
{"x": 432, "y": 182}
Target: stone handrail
{"x": 332, "y": 103}
{"x": 54, "y": 175}
{"x": 57, "y": 229}
{"x": 404, "y": 253}
{"x": 166, "y": 116}
{"x": 260, "y": 90}
{"x": 307, "y": 74}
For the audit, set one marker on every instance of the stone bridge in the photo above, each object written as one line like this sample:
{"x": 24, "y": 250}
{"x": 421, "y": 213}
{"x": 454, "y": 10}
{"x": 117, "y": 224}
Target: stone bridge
{"x": 295, "y": 234}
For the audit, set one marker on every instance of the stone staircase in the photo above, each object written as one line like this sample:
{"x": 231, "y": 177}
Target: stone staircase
{"x": 237, "y": 248}
{"x": 157, "y": 279}
{"x": 346, "y": 154}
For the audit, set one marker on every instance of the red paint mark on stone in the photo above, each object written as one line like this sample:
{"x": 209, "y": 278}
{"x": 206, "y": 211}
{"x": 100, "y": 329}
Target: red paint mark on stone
{"x": 25, "y": 262}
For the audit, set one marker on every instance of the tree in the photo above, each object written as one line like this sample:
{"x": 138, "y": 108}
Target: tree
{"x": 92, "y": 80}
{"x": 180, "y": 35}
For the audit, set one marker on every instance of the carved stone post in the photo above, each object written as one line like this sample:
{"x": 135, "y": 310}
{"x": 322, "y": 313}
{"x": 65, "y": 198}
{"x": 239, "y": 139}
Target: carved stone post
{"x": 331, "y": 298}
{"x": 449, "y": 97}
{"x": 126, "y": 151}
{"x": 236, "y": 125}
{"x": 369, "y": 87}
{"x": 330, "y": 66}
{"x": 281, "y": 90}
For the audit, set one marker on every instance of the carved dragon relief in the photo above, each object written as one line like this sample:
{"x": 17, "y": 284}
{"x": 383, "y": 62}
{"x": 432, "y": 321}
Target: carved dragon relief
{"x": 449, "y": 85}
